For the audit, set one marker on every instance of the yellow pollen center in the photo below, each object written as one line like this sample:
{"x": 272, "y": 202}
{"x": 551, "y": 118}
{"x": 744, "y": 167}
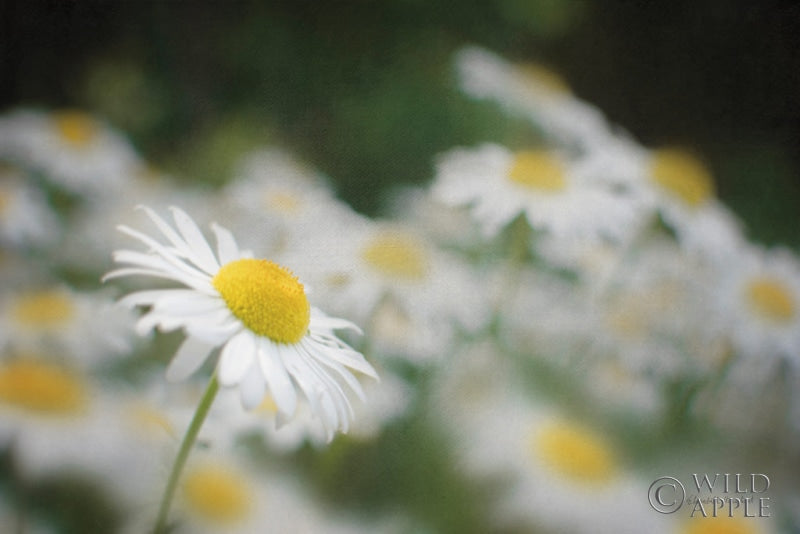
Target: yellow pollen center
{"x": 282, "y": 202}
{"x": 75, "y": 128}
{"x": 397, "y": 255}
{"x": 41, "y": 388}
{"x": 217, "y": 494}
{"x": 43, "y": 309}
{"x": 267, "y": 406}
{"x": 542, "y": 78}
{"x": 574, "y": 452}
{"x": 682, "y": 175}
{"x": 771, "y": 299}
{"x": 538, "y": 170}
{"x": 721, "y": 524}
{"x": 266, "y": 297}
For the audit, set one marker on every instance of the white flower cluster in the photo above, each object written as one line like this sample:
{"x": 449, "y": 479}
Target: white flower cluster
{"x": 571, "y": 318}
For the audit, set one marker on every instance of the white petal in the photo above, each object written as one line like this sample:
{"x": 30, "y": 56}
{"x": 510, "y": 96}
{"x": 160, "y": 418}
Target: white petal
{"x": 252, "y": 388}
{"x": 318, "y": 353}
{"x": 237, "y": 357}
{"x": 280, "y": 385}
{"x": 346, "y": 356}
{"x": 167, "y": 230}
{"x": 306, "y": 380}
{"x": 227, "y": 249}
{"x": 188, "y": 359}
{"x": 202, "y": 254}
{"x": 332, "y": 323}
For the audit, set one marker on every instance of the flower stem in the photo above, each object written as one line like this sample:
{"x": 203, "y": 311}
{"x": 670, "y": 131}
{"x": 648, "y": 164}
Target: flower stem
{"x": 183, "y": 454}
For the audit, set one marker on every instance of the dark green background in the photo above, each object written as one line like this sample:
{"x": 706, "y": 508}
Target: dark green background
{"x": 365, "y": 90}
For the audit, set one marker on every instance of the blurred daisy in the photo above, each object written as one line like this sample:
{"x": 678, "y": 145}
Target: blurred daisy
{"x": 449, "y": 226}
{"x": 254, "y": 310}
{"x": 276, "y": 199}
{"x": 656, "y": 317}
{"x": 26, "y": 218}
{"x": 548, "y": 189}
{"x": 759, "y": 298}
{"x": 93, "y": 227}
{"x": 86, "y": 328}
{"x": 724, "y": 523}
{"x": 684, "y": 193}
{"x": 72, "y": 149}
{"x": 58, "y": 420}
{"x": 531, "y": 91}
{"x": 562, "y": 475}
{"x": 413, "y": 295}
{"x": 222, "y": 493}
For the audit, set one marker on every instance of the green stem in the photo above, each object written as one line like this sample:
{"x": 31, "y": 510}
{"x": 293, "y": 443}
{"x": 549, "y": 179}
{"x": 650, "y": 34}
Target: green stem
{"x": 183, "y": 454}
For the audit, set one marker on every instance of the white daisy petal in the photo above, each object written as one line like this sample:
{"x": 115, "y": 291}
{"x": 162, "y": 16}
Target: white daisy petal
{"x": 227, "y": 249}
{"x": 168, "y": 232}
{"x": 188, "y": 359}
{"x": 236, "y": 359}
{"x": 252, "y": 388}
{"x": 280, "y": 385}
{"x": 202, "y": 253}
{"x": 271, "y": 337}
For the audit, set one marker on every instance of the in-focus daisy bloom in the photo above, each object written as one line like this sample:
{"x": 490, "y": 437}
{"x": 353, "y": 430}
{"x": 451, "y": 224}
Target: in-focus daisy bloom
{"x": 550, "y": 190}
{"x": 253, "y": 310}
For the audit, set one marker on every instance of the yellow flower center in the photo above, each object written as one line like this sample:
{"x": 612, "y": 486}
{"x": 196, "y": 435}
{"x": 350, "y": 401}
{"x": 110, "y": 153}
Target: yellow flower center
{"x": 41, "y": 388}
{"x": 217, "y": 494}
{"x": 282, "y": 202}
{"x": 540, "y": 77}
{"x": 267, "y": 406}
{"x": 75, "y": 128}
{"x": 771, "y": 299}
{"x": 43, "y": 309}
{"x": 718, "y": 525}
{"x": 538, "y": 170}
{"x": 397, "y": 255}
{"x": 266, "y": 297}
{"x": 682, "y": 175}
{"x": 574, "y": 452}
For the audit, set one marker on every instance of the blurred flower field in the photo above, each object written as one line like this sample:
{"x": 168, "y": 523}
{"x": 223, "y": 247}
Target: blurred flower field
{"x": 557, "y": 322}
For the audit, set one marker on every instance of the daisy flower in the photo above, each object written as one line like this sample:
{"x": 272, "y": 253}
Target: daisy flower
{"x": 93, "y": 227}
{"x": 44, "y": 403}
{"x": 531, "y": 91}
{"x": 550, "y": 190}
{"x": 714, "y": 524}
{"x": 74, "y": 150}
{"x": 682, "y": 189}
{"x": 26, "y": 218}
{"x": 86, "y": 328}
{"x": 561, "y": 474}
{"x": 220, "y": 493}
{"x": 413, "y": 295}
{"x": 274, "y": 190}
{"x": 759, "y": 299}
{"x": 255, "y": 311}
